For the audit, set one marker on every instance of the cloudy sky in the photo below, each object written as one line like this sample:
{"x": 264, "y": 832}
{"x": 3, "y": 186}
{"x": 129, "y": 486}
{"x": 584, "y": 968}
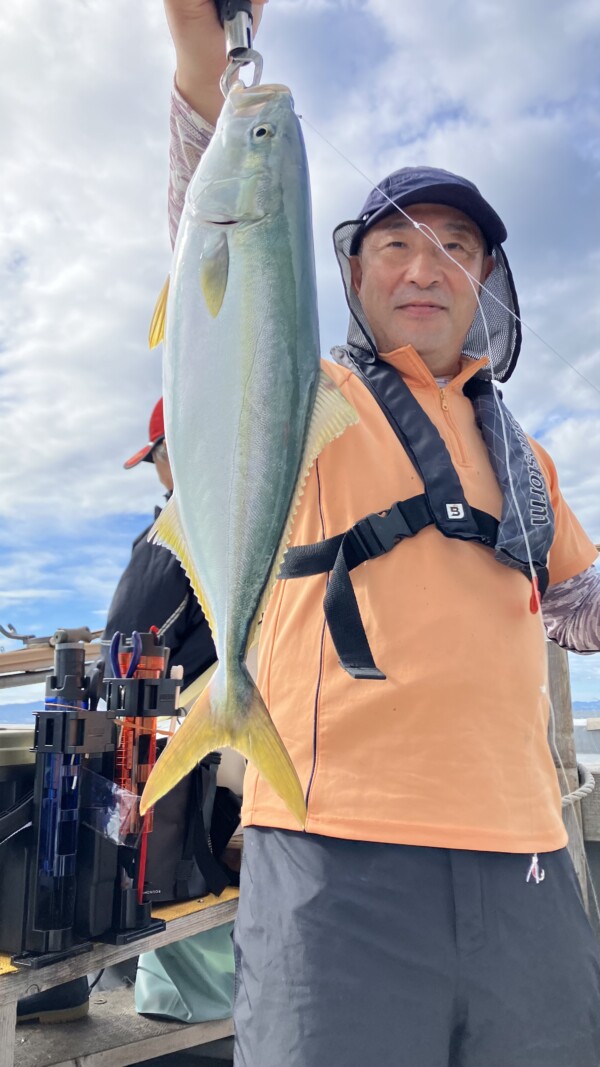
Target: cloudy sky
{"x": 505, "y": 92}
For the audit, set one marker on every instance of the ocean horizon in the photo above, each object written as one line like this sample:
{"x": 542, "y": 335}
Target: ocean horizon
{"x": 22, "y": 713}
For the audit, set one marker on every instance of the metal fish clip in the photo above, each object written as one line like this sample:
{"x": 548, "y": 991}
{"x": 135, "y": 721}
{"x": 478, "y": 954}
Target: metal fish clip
{"x": 236, "y": 18}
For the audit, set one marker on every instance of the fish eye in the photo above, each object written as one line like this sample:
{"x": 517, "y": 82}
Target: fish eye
{"x": 259, "y": 133}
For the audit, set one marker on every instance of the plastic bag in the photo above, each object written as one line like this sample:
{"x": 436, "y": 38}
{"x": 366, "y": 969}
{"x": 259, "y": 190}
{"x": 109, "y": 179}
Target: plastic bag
{"x": 190, "y": 980}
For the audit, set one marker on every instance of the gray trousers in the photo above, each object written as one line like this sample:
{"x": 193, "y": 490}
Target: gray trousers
{"x": 353, "y": 954}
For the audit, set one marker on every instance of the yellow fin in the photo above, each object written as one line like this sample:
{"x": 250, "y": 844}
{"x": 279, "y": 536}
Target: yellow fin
{"x": 191, "y": 692}
{"x": 214, "y": 270}
{"x": 157, "y": 326}
{"x": 251, "y": 732}
{"x": 167, "y": 531}
{"x": 331, "y": 415}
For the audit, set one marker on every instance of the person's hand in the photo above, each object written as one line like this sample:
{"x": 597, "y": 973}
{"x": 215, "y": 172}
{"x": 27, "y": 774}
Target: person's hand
{"x": 200, "y": 48}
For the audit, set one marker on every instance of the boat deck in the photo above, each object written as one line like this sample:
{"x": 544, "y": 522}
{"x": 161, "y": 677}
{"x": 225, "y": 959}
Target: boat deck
{"x": 113, "y": 1034}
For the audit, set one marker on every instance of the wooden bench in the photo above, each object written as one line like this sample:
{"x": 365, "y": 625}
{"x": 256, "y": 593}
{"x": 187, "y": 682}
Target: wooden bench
{"x": 113, "y": 1034}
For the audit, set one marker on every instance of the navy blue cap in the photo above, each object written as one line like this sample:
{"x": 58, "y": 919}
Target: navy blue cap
{"x": 430, "y": 185}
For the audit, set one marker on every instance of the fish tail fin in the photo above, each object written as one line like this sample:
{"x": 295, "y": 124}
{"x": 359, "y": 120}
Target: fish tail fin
{"x": 249, "y": 729}
{"x": 260, "y": 743}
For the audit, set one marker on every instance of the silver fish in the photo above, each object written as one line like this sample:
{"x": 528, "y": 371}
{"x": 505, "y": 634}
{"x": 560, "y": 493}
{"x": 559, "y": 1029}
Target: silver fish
{"x": 247, "y": 410}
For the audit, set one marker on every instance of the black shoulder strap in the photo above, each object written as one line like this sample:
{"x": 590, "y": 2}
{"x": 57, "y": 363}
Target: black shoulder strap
{"x": 424, "y": 446}
{"x": 442, "y": 504}
{"x": 369, "y": 538}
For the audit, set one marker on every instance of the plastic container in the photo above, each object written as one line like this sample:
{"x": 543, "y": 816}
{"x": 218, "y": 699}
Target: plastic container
{"x": 17, "y": 764}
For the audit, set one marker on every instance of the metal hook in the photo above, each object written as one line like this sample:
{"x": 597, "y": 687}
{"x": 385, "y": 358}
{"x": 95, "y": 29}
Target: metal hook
{"x": 242, "y": 59}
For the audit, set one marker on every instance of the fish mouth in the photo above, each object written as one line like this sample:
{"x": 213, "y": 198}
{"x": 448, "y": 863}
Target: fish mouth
{"x": 223, "y": 222}
{"x": 227, "y": 221}
{"x": 244, "y": 96}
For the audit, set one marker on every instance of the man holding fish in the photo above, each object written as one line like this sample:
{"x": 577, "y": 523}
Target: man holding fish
{"x": 407, "y": 897}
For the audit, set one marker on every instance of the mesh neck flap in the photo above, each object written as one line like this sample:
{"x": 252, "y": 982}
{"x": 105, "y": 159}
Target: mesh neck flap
{"x": 504, "y": 330}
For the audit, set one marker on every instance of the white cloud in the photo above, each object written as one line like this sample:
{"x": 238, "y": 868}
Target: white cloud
{"x": 495, "y": 58}
{"x": 30, "y": 594}
{"x": 84, "y": 175}
{"x": 85, "y": 182}
{"x": 24, "y": 694}
{"x": 503, "y": 93}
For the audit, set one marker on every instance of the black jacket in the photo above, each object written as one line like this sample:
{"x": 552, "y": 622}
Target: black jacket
{"x": 151, "y": 589}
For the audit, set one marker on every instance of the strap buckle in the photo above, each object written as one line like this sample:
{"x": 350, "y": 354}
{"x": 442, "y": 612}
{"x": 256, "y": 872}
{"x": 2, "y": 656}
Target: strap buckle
{"x": 369, "y": 673}
{"x": 378, "y": 533}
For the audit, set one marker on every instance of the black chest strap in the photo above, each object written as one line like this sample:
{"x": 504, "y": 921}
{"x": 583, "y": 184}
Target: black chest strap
{"x": 442, "y": 504}
{"x": 369, "y": 538}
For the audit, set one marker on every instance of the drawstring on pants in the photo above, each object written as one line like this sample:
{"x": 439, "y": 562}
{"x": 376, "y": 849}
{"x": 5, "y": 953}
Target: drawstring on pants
{"x": 535, "y": 871}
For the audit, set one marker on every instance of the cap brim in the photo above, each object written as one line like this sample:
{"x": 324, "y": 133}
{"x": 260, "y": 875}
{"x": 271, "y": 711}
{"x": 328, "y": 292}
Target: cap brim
{"x": 456, "y": 196}
{"x": 143, "y": 454}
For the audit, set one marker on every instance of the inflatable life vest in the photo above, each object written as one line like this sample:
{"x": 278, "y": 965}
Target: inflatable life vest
{"x": 521, "y": 539}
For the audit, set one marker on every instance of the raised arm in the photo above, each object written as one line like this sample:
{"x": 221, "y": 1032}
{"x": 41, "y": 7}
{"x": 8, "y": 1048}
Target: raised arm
{"x": 200, "y": 48}
{"x": 197, "y": 99}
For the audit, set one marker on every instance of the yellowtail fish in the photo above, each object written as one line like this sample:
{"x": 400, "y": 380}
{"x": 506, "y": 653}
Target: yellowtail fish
{"x": 247, "y": 410}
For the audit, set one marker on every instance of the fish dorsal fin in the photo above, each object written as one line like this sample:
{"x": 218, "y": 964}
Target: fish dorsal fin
{"x": 214, "y": 270}
{"x": 331, "y": 415}
{"x": 168, "y": 532}
{"x": 156, "y": 333}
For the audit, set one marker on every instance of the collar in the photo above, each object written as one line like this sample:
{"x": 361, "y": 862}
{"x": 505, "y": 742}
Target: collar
{"x": 408, "y": 363}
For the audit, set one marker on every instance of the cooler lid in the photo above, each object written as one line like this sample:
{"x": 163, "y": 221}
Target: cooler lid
{"x": 15, "y": 745}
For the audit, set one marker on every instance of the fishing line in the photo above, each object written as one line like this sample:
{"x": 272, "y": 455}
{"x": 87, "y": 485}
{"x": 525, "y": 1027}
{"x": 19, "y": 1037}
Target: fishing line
{"x": 510, "y": 311}
{"x": 578, "y": 833}
{"x": 552, "y": 716}
{"x": 478, "y": 287}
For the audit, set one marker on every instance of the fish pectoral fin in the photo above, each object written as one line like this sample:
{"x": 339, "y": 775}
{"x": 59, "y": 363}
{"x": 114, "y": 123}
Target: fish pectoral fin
{"x": 156, "y": 333}
{"x": 168, "y": 532}
{"x": 214, "y": 271}
{"x": 331, "y": 415}
{"x": 250, "y": 730}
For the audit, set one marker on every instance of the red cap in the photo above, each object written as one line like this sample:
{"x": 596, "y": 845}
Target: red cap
{"x": 156, "y": 433}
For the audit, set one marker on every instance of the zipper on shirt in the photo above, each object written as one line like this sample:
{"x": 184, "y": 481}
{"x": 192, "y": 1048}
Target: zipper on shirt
{"x": 458, "y": 445}
{"x": 321, "y": 664}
